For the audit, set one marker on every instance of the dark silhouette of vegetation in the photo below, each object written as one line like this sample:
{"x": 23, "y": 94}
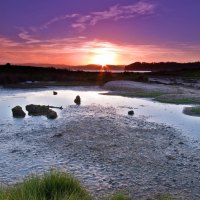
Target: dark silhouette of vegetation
{"x": 193, "y": 73}
{"x": 162, "y": 66}
{"x": 13, "y": 74}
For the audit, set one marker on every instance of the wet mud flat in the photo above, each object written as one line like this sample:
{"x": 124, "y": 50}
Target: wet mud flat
{"x": 106, "y": 151}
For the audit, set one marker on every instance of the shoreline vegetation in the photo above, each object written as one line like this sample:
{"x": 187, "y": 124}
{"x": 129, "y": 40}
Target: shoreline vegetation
{"x": 56, "y": 185}
{"x": 170, "y": 73}
{"x": 37, "y": 77}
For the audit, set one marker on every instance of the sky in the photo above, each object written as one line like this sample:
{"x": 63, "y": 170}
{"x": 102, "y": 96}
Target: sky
{"x": 79, "y": 32}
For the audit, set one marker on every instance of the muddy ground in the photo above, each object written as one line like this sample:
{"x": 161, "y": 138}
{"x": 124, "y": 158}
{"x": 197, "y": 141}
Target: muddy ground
{"x": 106, "y": 151}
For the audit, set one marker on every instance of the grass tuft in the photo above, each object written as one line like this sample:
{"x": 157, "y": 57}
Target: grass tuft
{"x": 50, "y": 186}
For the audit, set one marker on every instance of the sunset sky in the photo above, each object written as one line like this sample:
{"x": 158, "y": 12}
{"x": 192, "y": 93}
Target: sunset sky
{"x": 79, "y": 32}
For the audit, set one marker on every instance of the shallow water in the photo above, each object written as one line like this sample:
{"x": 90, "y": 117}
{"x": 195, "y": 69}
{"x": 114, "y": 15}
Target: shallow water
{"x": 146, "y": 109}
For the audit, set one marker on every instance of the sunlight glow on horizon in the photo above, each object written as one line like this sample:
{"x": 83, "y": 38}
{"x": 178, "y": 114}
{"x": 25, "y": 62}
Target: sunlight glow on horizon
{"x": 104, "y": 56}
{"x": 83, "y": 51}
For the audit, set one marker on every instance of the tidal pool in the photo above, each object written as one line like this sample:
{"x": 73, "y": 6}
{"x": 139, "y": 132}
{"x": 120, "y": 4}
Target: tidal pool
{"x": 98, "y": 142}
{"x": 169, "y": 114}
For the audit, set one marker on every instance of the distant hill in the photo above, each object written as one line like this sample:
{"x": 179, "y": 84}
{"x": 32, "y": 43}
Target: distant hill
{"x": 89, "y": 67}
{"x": 162, "y": 66}
{"x": 95, "y": 67}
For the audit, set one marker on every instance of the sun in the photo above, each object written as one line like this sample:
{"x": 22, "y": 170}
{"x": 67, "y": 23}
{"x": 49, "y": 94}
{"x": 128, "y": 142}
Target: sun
{"x": 104, "y": 56}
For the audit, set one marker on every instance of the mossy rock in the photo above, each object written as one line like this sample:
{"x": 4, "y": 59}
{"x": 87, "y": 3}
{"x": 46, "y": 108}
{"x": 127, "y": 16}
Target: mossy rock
{"x": 192, "y": 111}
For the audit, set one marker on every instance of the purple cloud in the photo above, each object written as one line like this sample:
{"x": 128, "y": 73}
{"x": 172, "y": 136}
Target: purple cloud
{"x": 116, "y": 12}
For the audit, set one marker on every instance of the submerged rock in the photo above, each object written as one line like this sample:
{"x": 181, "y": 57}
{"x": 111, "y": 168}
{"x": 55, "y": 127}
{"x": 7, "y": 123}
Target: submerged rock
{"x": 77, "y": 100}
{"x": 18, "y": 112}
{"x": 51, "y": 114}
{"x": 131, "y": 112}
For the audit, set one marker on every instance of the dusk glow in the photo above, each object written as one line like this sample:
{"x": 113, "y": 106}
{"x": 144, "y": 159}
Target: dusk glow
{"x": 99, "y": 32}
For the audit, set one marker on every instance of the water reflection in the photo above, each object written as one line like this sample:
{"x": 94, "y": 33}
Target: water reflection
{"x": 145, "y": 109}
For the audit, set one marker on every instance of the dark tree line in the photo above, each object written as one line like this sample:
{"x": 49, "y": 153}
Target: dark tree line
{"x": 162, "y": 66}
{"x": 12, "y": 74}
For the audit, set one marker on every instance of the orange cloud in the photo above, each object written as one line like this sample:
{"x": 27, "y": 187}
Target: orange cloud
{"x": 80, "y": 50}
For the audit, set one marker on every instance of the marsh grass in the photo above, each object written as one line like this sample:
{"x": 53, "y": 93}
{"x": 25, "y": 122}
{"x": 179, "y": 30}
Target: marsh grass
{"x": 50, "y": 186}
{"x": 196, "y": 110}
{"x": 176, "y": 101}
{"x": 193, "y": 111}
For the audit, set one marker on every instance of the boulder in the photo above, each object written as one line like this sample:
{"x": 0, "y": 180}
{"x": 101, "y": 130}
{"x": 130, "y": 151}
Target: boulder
{"x": 131, "y": 112}
{"x": 55, "y": 93}
{"x": 77, "y": 100}
{"x": 51, "y": 114}
{"x": 18, "y": 112}
{"x": 37, "y": 109}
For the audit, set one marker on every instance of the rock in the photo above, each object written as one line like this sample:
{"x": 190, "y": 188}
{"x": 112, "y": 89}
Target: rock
{"x": 51, "y": 114}
{"x": 131, "y": 112}
{"x": 58, "y": 135}
{"x": 18, "y": 112}
{"x": 181, "y": 143}
{"x": 170, "y": 157}
{"x": 77, "y": 100}
{"x": 55, "y": 93}
{"x": 37, "y": 109}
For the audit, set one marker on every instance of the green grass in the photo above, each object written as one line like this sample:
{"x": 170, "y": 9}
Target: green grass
{"x": 56, "y": 186}
{"x": 196, "y": 110}
{"x": 145, "y": 94}
{"x": 175, "y": 101}
{"x": 118, "y": 196}
{"x": 50, "y": 186}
